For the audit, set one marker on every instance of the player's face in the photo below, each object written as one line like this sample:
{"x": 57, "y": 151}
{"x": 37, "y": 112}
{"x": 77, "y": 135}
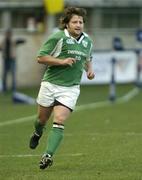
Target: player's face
{"x": 75, "y": 26}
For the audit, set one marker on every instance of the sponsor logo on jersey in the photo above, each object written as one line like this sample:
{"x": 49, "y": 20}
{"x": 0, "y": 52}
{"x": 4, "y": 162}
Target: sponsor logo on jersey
{"x": 84, "y": 43}
{"x": 69, "y": 41}
{"x": 77, "y": 53}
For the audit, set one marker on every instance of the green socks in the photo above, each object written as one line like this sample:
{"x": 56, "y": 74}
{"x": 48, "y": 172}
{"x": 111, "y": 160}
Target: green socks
{"x": 38, "y": 127}
{"x": 54, "y": 139}
{"x": 55, "y": 136}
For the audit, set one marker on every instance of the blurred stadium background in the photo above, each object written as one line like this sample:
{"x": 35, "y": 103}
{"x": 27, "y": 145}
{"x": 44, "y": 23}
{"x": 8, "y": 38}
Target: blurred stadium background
{"x": 110, "y": 132}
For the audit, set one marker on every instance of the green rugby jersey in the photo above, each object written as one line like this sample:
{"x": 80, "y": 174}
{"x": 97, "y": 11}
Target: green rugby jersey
{"x": 61, "y": 45}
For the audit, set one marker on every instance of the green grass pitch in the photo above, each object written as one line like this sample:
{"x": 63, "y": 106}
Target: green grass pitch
{"x": 103, "y": 143}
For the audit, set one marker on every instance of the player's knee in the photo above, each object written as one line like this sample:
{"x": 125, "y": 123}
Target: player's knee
{"x": 59, "y": 119}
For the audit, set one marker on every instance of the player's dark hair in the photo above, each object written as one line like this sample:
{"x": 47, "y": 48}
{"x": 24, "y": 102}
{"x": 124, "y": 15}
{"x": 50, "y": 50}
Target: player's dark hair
{"x": 69, "y": 13}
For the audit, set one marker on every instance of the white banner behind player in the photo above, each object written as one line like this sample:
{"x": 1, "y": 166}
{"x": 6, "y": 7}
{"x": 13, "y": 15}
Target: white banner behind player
{"x": 125, "y": 69}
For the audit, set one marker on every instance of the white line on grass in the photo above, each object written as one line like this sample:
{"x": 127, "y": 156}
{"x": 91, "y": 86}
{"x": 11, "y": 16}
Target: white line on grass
{"x": 19, "y": 120}
{"x": 36, "y": 155}
{"x": 129, "y": 95}
{"x": 92, "y": 135}
{"x": 122, "y": 99}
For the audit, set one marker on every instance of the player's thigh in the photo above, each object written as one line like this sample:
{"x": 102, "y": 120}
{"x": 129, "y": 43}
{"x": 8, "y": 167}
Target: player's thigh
{"x": 44, "y": 113}
{"x": 61, "y": 114}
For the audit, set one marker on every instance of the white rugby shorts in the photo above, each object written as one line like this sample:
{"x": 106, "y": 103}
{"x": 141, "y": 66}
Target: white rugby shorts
{"x": 49, "y": 93}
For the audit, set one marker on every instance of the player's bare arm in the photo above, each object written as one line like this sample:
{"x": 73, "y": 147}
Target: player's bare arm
{"x": 52, "y": 61}
{"x": 89, "y": 70}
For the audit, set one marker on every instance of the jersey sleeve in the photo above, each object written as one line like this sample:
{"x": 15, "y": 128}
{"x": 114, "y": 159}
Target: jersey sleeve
{"x": 48, "y": 47}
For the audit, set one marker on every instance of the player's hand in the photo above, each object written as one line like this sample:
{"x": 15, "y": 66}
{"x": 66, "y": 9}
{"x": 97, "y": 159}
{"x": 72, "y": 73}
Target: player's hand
{"x": 90, "y": 75}
{"x": 68, "y": 61}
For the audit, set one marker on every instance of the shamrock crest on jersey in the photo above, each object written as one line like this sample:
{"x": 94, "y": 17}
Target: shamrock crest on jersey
{"x": 84, "y": 43}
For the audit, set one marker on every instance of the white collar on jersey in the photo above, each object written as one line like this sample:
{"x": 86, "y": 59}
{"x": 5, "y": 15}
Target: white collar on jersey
{"x": 77, "y": 40}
